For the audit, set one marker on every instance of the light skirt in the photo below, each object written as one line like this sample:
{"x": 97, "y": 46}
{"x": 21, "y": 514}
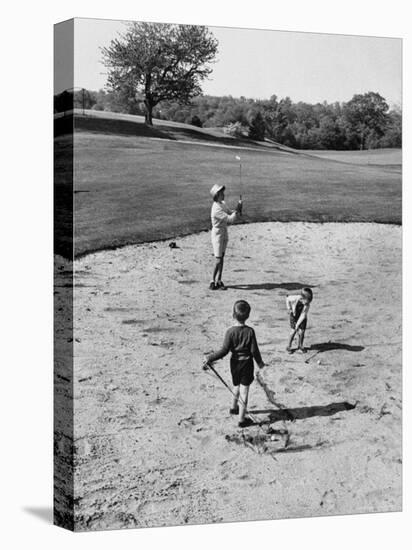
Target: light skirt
{"x": 219, "y": 242}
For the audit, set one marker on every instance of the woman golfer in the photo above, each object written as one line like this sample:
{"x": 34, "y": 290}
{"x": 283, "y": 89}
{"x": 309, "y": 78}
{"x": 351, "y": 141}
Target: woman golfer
{"x": 221, "y": 216}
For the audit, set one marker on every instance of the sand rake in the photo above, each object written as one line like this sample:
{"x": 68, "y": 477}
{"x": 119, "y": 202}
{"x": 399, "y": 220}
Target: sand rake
{"x": 208, "y": 366}
{"x": 259, "y": 449}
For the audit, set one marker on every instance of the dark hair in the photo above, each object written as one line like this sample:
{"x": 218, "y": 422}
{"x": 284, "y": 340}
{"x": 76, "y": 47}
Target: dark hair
{"x": 241, "y": 310}
{"x": 306, "y": 291}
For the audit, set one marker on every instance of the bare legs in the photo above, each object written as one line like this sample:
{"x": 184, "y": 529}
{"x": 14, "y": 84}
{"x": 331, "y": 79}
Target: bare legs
{"x": 291, "y": 337}
{"x": 301, "y": 337}
{"x": 240, "y": 400}
{"x": 235, "y": 403}
{"x": 244, "y": 394}
{"x": 217, "y": 272}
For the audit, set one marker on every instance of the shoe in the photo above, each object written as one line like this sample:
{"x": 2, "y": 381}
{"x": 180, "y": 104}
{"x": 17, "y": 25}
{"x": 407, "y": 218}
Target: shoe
{"x": 289, "y": 350}
{"x": 245, "y": 423}
{"x": 220, "y": 285}
{"x": 234, "y": 410}
{"x": 212, "y": 286}
{"x": 303, "y": 350}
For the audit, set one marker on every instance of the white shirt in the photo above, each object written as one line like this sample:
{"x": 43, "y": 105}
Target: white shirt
{"x": 221, "y": 216}
{"x": 291, "y": 303}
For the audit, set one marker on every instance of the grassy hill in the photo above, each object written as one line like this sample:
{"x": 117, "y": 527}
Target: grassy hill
{"x": 390, "y": 159}
{"x": 136, "y": 184}
{"x": 124, "y": 124}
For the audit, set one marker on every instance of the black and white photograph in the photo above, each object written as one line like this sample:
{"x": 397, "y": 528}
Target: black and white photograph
{"x": 227, "y": 274}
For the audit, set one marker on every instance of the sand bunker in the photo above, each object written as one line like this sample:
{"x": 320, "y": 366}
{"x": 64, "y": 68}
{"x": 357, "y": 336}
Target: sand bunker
{"x": 154, "y": 442}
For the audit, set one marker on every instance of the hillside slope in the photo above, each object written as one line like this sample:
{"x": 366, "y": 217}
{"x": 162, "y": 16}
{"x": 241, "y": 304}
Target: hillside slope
{"x": 135, "y": 184}
{"x": 124, "y": 124}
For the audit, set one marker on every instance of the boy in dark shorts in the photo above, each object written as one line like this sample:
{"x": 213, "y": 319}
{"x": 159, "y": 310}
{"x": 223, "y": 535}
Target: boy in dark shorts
{"x": 240, "y": 340}
{"x": 298, "y": 308}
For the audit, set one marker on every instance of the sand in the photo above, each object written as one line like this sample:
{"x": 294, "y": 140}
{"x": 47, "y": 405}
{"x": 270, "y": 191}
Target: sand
{"x": 154, "y": 442}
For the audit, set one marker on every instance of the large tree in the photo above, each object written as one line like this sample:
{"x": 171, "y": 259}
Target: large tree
{"x": 160, "y": 62}
{"x": 278, "y": 117}
{"x": 366, "y": 115}
{"x": 257, "y": 127}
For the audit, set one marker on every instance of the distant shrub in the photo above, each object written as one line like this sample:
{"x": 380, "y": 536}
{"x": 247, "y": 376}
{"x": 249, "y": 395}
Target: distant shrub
{"x": 235, "y": 129}
{"x": 257, "y": 127}
{"x": 195, "y": 121}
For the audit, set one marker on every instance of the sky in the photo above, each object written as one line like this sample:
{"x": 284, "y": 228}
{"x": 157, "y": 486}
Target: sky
{"x": 259, "y": 63}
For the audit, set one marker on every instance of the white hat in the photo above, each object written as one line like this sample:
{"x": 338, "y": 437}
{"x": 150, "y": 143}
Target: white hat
{"x": 215, "y": 189}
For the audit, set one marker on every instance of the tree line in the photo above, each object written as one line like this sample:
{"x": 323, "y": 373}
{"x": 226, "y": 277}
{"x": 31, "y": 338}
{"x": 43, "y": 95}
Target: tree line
{"x": 156, "y": 70}
{"x": 364, "y": 122}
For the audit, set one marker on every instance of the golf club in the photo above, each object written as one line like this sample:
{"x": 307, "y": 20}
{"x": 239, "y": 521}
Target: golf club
{"x": 237, "y": 157}
{"x": 312, "y": 356}
{"x": 315, "y": 354}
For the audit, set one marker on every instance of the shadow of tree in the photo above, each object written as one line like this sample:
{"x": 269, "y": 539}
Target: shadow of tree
{"x": 300, "y": 413}
{"x": 329, "y": 346}
{"x": 119, "y": 127}
{"x": 271, "y": 286}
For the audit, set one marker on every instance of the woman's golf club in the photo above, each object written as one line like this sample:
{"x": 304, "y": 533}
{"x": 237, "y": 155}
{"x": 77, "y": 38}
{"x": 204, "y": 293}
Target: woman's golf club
{"x": 237, "y": 157}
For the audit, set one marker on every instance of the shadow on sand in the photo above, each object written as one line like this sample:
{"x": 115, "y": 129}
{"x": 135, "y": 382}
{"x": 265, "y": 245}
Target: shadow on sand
{"x": 330, "y": 346}
{"x": 300, "y": 413}
{"x": 271, "y": 286}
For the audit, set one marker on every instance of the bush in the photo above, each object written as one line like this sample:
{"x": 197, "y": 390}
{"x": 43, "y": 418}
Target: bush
{"x": 257, "y": 127}
{"x": 196, "y": 121}
{"x": 235, "y": 129}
